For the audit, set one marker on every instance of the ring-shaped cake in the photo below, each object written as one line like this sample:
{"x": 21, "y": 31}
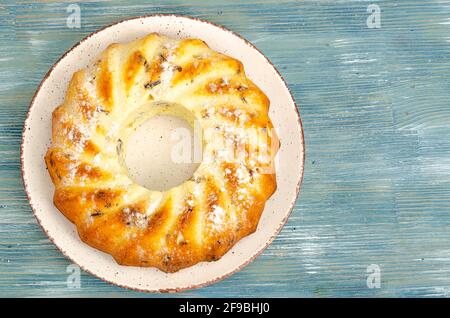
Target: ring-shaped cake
{"x": 198, "y": 220}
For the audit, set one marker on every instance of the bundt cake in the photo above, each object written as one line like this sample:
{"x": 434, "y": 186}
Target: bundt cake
{"x": 198, "y": 220}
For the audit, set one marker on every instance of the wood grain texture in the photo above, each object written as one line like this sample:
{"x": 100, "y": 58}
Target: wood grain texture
{"x": 375, "y": 105}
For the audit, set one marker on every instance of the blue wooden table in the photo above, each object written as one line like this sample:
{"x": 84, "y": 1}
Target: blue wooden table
{"x": 372, "y": 80}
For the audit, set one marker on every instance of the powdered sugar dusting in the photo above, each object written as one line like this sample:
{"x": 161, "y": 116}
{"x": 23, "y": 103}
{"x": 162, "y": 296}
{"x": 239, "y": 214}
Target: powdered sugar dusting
{"x": 168, "y": 69}
{"x": 135, "y": 218}
{"x": 217, "y": 217}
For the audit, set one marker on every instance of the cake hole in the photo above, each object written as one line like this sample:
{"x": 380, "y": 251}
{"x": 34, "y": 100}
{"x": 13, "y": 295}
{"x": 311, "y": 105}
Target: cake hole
{"x": 159, "y": 155}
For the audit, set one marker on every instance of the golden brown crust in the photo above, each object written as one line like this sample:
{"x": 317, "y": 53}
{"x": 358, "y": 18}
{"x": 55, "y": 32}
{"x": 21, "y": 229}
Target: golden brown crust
{"x": 199, "y": 220}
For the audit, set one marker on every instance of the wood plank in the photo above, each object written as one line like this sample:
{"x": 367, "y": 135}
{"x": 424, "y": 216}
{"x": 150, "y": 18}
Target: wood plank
{"x": 376, "y": 114}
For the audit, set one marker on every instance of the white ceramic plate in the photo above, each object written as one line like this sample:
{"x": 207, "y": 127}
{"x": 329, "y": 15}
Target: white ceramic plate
{"x": 37, "y": 133}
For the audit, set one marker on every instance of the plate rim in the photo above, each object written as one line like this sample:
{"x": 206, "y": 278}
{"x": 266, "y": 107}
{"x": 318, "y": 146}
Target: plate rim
{"x": 215, "y": 279}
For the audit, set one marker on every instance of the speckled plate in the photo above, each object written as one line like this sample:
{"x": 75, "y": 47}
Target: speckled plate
{"x": 37, "y": 133}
